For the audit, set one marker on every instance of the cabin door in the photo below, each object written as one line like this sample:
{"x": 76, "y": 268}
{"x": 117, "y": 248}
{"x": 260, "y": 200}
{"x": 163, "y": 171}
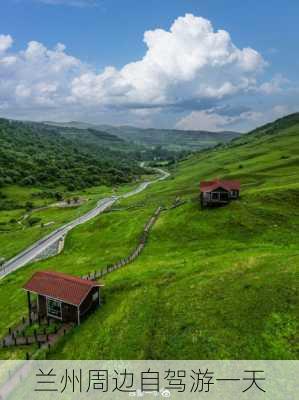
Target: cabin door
{"x": 223, "y": 196}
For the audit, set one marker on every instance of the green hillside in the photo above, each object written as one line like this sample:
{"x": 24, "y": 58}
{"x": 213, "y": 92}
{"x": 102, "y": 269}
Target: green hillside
{"x": 171, "y": 139}
{"x": 211, "y": 284}
{"x": 34, "y": 154}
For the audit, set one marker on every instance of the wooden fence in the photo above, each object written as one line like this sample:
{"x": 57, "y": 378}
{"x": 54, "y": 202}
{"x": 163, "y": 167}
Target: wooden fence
{"x": 136, "y": 252}
{"x": 17, "y": 337}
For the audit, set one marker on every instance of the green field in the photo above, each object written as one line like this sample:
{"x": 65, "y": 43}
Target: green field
{"x": 15, "y": 232}
{"x": 211, "y": 284}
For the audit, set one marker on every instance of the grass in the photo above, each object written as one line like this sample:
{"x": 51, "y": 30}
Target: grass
{"x": 15, "y": 237}
{"x": 86, "y": 250}
{"x": 41, "y": 329}
{"x": 211, "y": 284}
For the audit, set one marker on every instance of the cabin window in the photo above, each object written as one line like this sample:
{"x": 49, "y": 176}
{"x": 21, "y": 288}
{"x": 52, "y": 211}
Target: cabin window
{"x": 95, "y": 296}
{"x": 54, "y": 308}
{"x": 233, "y": 193}
{"x": 215, "y": 196}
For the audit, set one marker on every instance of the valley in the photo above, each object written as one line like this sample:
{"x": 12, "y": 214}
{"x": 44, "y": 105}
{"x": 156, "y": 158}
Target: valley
{"x": 171, "y": 139}
{"x": 211, "y": 284}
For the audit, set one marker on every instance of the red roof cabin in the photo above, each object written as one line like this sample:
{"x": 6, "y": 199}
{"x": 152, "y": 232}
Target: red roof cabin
{"x": 63, "y": 297}
{"x": 218, "y": 192}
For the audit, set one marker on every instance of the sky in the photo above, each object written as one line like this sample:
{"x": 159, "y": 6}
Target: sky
{"x": 186, "y": 64}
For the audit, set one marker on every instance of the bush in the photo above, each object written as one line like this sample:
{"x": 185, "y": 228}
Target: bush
{"x": 33, "y": 221}
{"x": 58, "y": 196}
{"x": 28, "y": 205}
{"x": 28, "y": 181}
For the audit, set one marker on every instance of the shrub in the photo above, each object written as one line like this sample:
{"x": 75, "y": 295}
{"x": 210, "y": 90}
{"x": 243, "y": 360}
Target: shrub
{"x": 33, "y": 221}
{"x": 28, "y": 205}
{"x": 28, "y": 181}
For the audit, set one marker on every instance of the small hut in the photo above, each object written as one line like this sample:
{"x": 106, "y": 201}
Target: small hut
{"x": 218, "y": 192}
{"x": 63, "y": 297}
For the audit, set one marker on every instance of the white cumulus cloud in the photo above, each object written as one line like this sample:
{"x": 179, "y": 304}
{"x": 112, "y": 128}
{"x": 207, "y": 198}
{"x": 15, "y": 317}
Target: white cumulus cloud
{"x": 192, "y": 61}
{"x": 36, "y": 76}
{"x": 212, "y": 120}
{"x": 204, "y": 120}
{"x": 188, "y": 66}
{"x": 6, "y": 42}
{"x": 276, "y": 85}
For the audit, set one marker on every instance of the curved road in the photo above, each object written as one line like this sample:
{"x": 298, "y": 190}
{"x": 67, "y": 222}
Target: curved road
{"x": 39, "y": 247}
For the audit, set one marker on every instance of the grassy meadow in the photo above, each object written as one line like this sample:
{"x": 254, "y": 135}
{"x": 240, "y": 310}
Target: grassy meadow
{"x": 211, "y": 284}
{"x": 16, "y": 233}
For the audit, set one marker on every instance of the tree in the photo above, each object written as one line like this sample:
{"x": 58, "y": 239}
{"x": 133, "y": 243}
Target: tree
{"x": 33, "y": 221}
{"x": 29, "y": 205}
{"x": 58, "y": 196}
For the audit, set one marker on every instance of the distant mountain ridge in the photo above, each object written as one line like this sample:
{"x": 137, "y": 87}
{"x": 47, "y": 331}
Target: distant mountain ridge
{"x": 171, "y": 139}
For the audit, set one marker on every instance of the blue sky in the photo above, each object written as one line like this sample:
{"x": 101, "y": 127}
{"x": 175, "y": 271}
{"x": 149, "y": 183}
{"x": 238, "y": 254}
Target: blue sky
{"x": 204, "y": 64}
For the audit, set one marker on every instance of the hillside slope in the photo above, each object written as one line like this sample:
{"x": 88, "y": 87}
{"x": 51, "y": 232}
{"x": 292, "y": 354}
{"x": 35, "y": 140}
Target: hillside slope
{"x": 34, "y": 154}
{"x": 211, "y": 284}
{"x": 171, "y": 139}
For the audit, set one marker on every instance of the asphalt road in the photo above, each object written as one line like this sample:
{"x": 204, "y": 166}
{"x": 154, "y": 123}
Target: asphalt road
{"x": 39, "y": 247}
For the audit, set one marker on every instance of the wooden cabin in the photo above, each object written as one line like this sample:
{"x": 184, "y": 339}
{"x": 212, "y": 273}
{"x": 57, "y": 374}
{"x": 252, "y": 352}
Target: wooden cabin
{"x": 218, "y": 192}
{"x": 63, "y": 297}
